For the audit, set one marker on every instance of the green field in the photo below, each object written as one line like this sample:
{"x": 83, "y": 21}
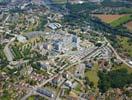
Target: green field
{"x": 122, "y": 66}
{"x": 124, "y": 46}
{"x": 93, "y": 75}
{"x": 78, "y": 88}
{"x": 119, "y": 22}
{"x": 59, "y": 1}
{"x": 2, "y": 55}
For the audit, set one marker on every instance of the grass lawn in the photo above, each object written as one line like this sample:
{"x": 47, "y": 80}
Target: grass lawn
{"x": 78, "y": 88}
{"x": 33, "y": 97}
{"x": 121, "y": 21}
{"x": 122, "y": 66}
{"x": 59, "y": 1}
{"x": 125, "y": 46}
{"x": 108, "y": 18}
{"x": 93, "y": 74}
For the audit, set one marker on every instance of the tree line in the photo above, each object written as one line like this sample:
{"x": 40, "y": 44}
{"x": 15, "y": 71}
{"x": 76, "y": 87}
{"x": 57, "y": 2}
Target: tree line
{"x": 114, "y": 79}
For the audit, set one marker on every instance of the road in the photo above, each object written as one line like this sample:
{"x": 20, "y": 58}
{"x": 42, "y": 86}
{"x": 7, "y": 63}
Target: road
{"x": 62, "y": 69}
{"x": 6, "y": 19}
{"x": 78, "y": 80}
{"x": 45, "y": 82}
{"x": 40, "y": 85}
{"x": 114, "y": 51}
{"x": 116, "y": 54}
{"x": 7, "y": 51}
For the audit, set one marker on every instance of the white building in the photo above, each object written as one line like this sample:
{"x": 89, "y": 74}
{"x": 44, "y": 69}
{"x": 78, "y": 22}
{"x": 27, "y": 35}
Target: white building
{"x": 130, "y": 62}
{"x": 21, "y": 39}
{"x": 68, "y": 84}
{"x": 54, "y": 26}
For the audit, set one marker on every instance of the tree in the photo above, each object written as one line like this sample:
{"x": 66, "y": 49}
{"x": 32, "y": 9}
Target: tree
{"x": 114, "y": 79}
{"x": 104, "y": 82}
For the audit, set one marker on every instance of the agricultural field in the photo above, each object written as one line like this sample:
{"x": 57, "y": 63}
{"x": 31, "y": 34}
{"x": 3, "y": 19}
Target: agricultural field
{"x": 65, "y": 1}
{"x": 122, "y": 20}
{"x": 129, "y": 26}
{"x": 59, "y": 1}
{"x": 117, "y": 20}
{"x": 108, "y": 18}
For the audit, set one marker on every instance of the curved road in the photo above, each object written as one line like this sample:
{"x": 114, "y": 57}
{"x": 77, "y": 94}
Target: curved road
{"x": 116, "y": 54}
{"x": 7, "y": 51}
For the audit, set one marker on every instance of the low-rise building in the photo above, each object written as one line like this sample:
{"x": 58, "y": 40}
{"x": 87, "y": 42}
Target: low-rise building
{"x": 80, "y": 71}
{"x": 44, "y": 65}
{"x": 54, "y": 26}
{"x": 57, "y": 80}
{"x": 68, "y": 84}
{"x": 45, "y": 92}
{"x": 21, "y": 39}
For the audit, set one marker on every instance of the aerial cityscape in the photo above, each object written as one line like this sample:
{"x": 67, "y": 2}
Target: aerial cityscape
{"x": 65, "y": 49}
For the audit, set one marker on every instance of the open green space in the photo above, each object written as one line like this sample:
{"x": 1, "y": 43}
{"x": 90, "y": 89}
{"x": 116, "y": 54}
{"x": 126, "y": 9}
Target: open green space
{"x": 123, "y": 45}
{"x": 119, "y": 22}
{"x": 16, "y": 52}
{"x": 93, "y": 75}
{"x": 114, "y": 79}
{"x": 42, "y": 23}
{"x": 34, "y": 97}
{"x": 21, "y": 52}
{"x": 78, "y": 88}
{"x": 59, "y": 1}
{"x": 2, "y": 55}
{"x": 115, "y": 67}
